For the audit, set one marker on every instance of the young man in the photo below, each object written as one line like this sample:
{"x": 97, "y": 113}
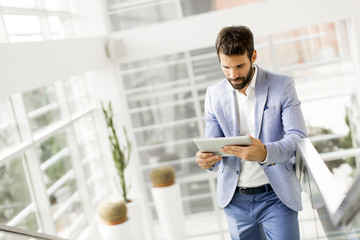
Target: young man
{"x": 257, "y": 187}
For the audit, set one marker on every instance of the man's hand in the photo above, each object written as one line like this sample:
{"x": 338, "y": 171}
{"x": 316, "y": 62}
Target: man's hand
{"x": 255, "y": 152}
{"x": 206, "y": 160}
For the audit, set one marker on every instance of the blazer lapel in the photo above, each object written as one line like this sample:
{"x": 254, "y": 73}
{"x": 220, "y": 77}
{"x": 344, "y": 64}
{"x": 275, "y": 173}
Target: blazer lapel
{"x": 261, "y": 93}
{"x": 229, "y": 107}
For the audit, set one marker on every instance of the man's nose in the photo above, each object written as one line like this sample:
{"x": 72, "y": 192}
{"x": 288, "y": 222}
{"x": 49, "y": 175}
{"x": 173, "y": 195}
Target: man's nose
{"x": 233, "y": 73}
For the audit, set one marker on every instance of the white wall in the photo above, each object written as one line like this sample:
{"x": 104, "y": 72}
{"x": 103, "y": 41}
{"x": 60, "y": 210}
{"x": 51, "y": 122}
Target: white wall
{"x": 24, "y": 66}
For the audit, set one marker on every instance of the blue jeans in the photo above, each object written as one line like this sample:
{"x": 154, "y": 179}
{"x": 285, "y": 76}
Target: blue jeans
{"x": 261, "y": 216}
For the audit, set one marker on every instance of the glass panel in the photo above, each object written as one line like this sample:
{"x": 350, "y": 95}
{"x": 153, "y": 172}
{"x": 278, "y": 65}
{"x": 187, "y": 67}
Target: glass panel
{"x": 29, "y": 222}
{"x": 190, "y": 7}
{"x": 15, "y": 194}
{"x": 311, "y": 44}
{"x": 143, "y": 15}
{"x": 163, "y": 114}
{"x": 60, "y": 27}
{"x": 145, "y": 99}
{"x": 315, "y": 222}
{"x": 59, "y": 199}
{"x": 182, "y": 151}
{"x": 8, "y": 130}
{"x": 203, "y": 51}
{"x": 207, "y": 70}
{"x": 113, "y": 2}
{"x": 198, "y": 205}
{"x": 55, "y": 158}
{"x": 18, "y": 3}
{"x": 56, "y": 5}
{"x": 11, "y": 236}
{"x": 166, "y": 134}
{"x": 155, "y": 76}
{"x": 42, "y": 107}
{"x": 149, "y": 62}
{"x": 344, "y": 167}
{"x": 90, "y": 156}
{"x": 22, "y": 27}
{"x": 195, "y": 188}
{"x": 77, "y": 95}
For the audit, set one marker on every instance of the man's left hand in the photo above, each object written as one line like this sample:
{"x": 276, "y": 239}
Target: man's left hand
{"x": 254, "y": 152}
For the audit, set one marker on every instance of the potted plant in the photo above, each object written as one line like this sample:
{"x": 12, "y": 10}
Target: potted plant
{"x": 120, "y": 153}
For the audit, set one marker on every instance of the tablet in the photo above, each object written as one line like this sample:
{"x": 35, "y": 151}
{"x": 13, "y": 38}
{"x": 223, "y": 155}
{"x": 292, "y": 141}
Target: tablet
{"x": 214, "y": 144}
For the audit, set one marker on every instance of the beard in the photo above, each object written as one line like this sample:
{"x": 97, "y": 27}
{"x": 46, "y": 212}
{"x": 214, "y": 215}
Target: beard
{"x": 243, "y": 80}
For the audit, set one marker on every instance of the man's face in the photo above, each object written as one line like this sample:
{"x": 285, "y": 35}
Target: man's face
{"x": 238, "y": 69}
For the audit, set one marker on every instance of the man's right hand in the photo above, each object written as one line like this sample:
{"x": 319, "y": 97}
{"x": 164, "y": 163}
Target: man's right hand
{"x": 206, "y": 160}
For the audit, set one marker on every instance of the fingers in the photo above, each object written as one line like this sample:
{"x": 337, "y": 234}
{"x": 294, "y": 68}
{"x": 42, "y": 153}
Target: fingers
{"x": 254, "y": 152}
{"x": 206, "y": 160}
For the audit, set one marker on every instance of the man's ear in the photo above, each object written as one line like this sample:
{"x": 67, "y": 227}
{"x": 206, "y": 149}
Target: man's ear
{"x": 254, "y": 56}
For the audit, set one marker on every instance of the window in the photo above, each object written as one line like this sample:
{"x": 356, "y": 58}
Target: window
{"x": 31, "y": 20}
{"x": 8, "y": 129}
{"x": 125, "y": 14}
{"x": 51, "y": 159}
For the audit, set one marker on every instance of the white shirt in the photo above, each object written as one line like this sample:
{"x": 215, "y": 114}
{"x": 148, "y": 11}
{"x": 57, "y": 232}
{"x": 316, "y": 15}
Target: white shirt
{"x": 252, "y": 174}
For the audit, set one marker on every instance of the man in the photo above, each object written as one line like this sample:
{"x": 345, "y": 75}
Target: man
{"x": 257, "y": 186}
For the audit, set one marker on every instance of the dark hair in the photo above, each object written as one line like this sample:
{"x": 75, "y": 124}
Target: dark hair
{"x": 235, "y": 40}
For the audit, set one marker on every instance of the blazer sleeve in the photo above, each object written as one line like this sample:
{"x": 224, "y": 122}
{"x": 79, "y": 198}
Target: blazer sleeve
{"x": 294, "y": 127}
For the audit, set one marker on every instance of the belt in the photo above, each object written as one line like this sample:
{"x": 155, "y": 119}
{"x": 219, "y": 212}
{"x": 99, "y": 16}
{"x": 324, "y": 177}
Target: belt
{"x": 254, "y": 190}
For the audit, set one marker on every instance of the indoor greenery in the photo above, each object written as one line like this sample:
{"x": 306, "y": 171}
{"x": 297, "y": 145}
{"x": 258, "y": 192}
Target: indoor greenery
{"x": 120, "y": 153}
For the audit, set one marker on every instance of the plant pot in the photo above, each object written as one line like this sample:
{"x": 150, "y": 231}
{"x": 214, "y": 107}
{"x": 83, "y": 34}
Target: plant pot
{"x": 170, "y": 211}
{"x": 113, "y": 220}
{"x": 136, "y": 219}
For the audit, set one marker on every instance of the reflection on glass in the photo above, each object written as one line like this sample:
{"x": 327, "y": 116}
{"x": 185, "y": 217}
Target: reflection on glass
{"x": 76, "y": 93}
{"x": 15, "y": 195}
{"x": 143, "y": 15}
{"x": 42, "y": 107}
{"x": 60, "y": 27}
{"x": 8, "y": 131}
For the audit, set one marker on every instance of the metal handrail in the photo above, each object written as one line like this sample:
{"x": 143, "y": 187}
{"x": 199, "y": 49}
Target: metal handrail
{"x": 27, "y": 233}
{"x": 341, "y": 207}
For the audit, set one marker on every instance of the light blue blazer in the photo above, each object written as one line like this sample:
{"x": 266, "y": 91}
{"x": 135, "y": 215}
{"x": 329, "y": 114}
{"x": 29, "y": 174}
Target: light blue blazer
{"x": 279, "y": 124}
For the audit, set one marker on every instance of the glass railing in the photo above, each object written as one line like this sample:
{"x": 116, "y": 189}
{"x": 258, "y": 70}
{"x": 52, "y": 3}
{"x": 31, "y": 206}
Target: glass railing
{"x": 330, "y": 210}
{"x": 14, "y": 233}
